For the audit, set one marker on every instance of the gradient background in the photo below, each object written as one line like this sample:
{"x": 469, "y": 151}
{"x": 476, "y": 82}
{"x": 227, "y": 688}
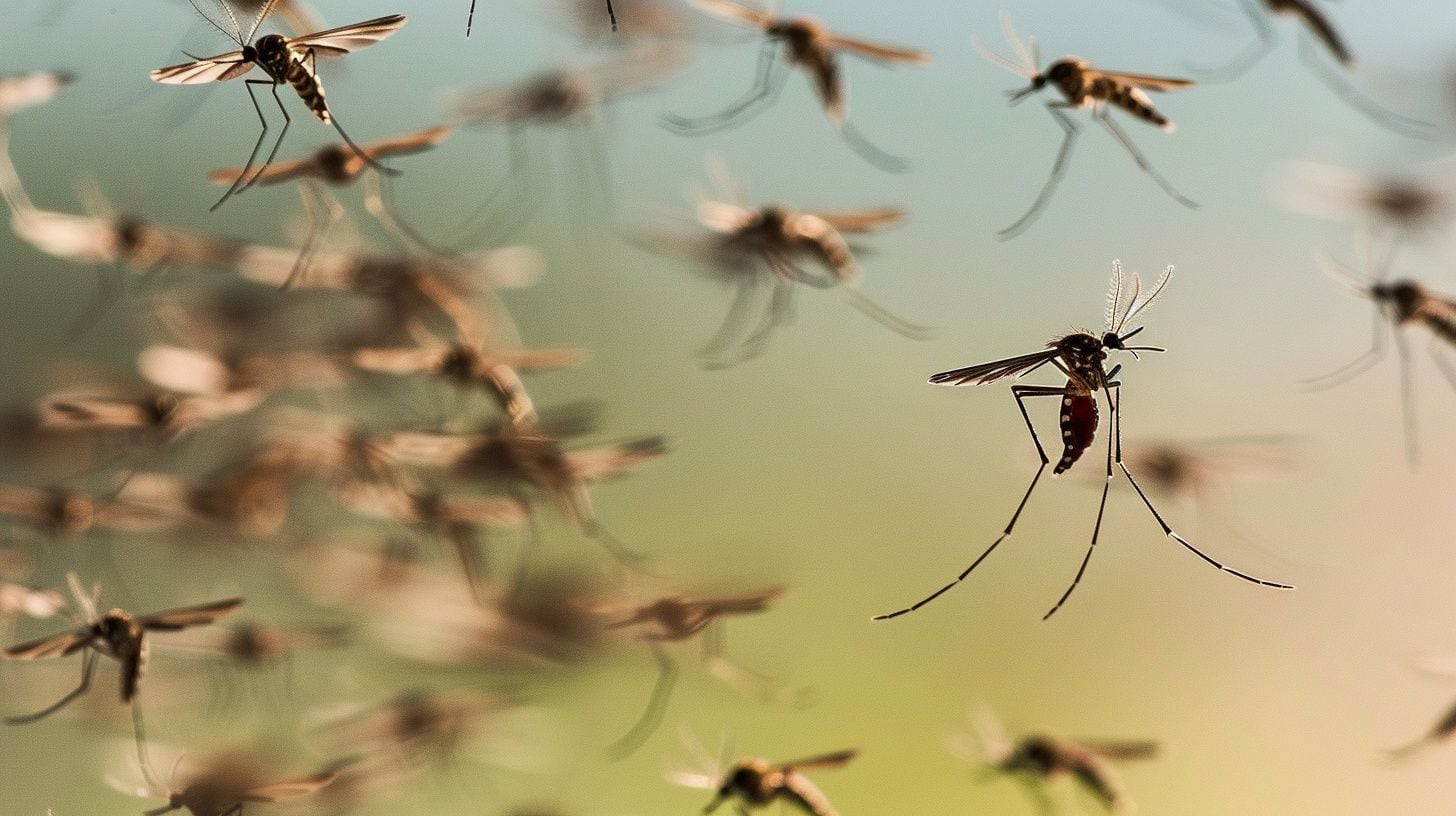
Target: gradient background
{"x": 829, "y": 464}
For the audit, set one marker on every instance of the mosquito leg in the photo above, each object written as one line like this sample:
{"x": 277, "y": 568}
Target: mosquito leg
{"x": 744, "y": 302}
{"x": 323, "y": 212}
{"x": 470, "y": 19}
{"x": 272, "y": 154}
{"x": 1020, "y": 392}
{"x": 88, "y": 668}
{"x": 885, "y": 317}
{"x": 379, "y": 200}
{"x": 1240, "y": 65}
{"x": 1100, "y": 114}
{"x": 611, "y": 14}
{"x": 1116, "y": 401}
{"x": 1435, "y": 350}
{"x": 780, "y": 312}
{"x": 139, "y": 731}
{"x": 871, "y": 153}
{"x": 1360, "y": 364}
{"x": 529, "y": 541}
{"x": 1407, "y": 401}
{"x": 258, "y": 145}
{"x": 1097, "y": 526}
{"x": 472, "y": 562}
{"x": 1339, "y": 83}
{"x": 767, "y": 83}
{"x": 656, "y": 707}
{"x": 1059, "y": 168}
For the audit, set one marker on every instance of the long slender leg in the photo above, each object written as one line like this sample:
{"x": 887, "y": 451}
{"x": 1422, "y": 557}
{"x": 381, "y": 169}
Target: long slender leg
{"x": 780, "y": 312}
{"x": 88, "y": 668}
{"x": 324, "y": 212}
{"x": 611, "y": 14}
{"x": 885, "y": 317}
{"x": 1407, "y": 400}
{"x": 1360, "y": 364}
{"x": 1240, "y": 65}
{"x": 656, "y": 707}
{"x": 258, "y": 145}
{"x": 1096, "y": 527}
{"x": 472, "y": 561}
{"x": 1100, "y": 114}
{"x": 1339, "y": 83}
{"x": 1436, "y": 350}
{"x": 766, "y": 86}
{"x": 272, "y": 154}
{"x": 1020, "y": 392}
{"x": 870, "y": 152}
{"x": 139, "y": 731}
{"x": 1116, "y": 402}
{"x": 470, "y": 19}
{"x": 380, "y": 201}
{"x": 1059, "y": 168}
{"x": 744, "y": 299}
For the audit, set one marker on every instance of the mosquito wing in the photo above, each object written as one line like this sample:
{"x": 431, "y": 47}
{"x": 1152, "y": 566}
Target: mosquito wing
{"x": 1121, "y": 749}
{"x": 863, "y": 220}
{"x": 54, "y": 646}
{"x": 738, "y": 12}
{"x": 400, "y": 360}
{"x": 290, "y": 788}
{"x": 408, "y": 143}
{"x": 878, "y": 51}
{"x": 484, "y": 511}
{"x": 272, "y": 174}
{"x": 210, "y": 69}
{"x": 25, "y": 503}
{"x": 838, "y": 759}
{"x": 994, "y": 370}
{"x": 1148, "y": 82}
{"x": 529, "y": 361}
{"x": 337, "y": 42}
{"x": 604, "y": 463}
{"x": 746, "y": 603}
{"x": 172, "y": 620}
{"x": 78, "y": 411}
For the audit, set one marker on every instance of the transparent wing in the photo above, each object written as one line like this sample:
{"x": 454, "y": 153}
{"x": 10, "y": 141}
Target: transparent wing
{"x": 27, "y": 503}
{"x": 54, "y": 646}
{"x": 199, "y": 72}
{"x": 290, "y": 788}
{"x": 992, "y": 371}
{"x": 337, "y": 42}
{"x": 173, "y": 619}
{"x": 1121, "y": 749}
{"x": 863, "y": 220}
{"x": 738, "y": 12}
{"x": 878, "y": 51}
{"x": 409, "y": 142}
{"x": 604, "y": 463}
{"x": 188, "y": 371}
{"x": 1149, "y": 82}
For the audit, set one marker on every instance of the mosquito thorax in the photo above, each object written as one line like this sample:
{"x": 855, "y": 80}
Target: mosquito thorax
{"x": 116, "y": 627}
{"x": 70, "y": 513}
{"x": 747, "y": 779}
{"x": 161, "y": 408}
{"x": 1036, "y": 754}
{"x": 801, "y": 33}
{"x": 1403, "y": 295}
{"x": 459, "y": 363}
{"x": 334, "y": 161}
{"x": 1404, "y": 202}
{"x": 1084, "y": 346}
{"x": 252, "y": 644}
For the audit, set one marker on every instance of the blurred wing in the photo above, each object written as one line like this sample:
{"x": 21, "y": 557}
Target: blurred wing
{"x": 173, "y": 619}
{"x": 19, "y": 92}
{"x": 208, "y": 408}
{"x": 378, "y": 500}
{"x": 337, "y": 42}
{"x": 198, "y": 72}
{"x": 26, "y": 503}
{"x": 485, "y": 511}
{"x": 185, "y": 370}
{"x": 743, "y": 604}
{"x": 275, "y": 266}
{"x": 1149, "y": 83}
{"x": 54, "y": 646}
{"x": 992, "y": 371}
{"x": 724, "y": 218}
{"x": 399, "y": 360}
{"x": 863, "y": 220}
{"x": 1121, "y": 749}
{"x": 603, "y": 463}
{"x": 837, "y": 759}
{"x": 827, "y": 240}
{"x": 529, "y": 361}
{"x": 431, "y": 450}
{"x": 72, "y": 237}
{"x": 689, "y": 779}
{"x": 81, "y": 411}
{"x": 409, "y": 142}
{"x": 878, "y": 51}
{"x": 291, "y": 788}
{"x": 729, "y": 10}
{"x": 272, "y": 174}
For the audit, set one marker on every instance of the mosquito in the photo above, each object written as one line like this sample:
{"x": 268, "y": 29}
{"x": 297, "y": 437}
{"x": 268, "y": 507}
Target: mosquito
{"x": 1040, "y": 759}
{"x": 676, "y": 618}
{"x": 223, "y": 784}
{"x": 758, "y": 783}
{"x": 1317, "y": 24}
{"x": 815, "y": 50}
{"x": 339, "y": 165}
{"x": 1399, "y": 303}
{"x": 1081, "y": 357}
{"x": 116, "y": 634}
{"x": 68, "y": 513}
{"x": 1084, "y": 87}
{"x": 1385, "y": 208}
{"x": 286, "y": 60}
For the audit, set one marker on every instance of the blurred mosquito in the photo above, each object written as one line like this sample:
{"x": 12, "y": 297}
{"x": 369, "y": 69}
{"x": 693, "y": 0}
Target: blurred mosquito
{"x": 1041, "y": 759}
{"x": 254, "y": 647}
{"x": 757, "y": 783}
{"x": 286, "y": 60}
{"x": 119, "y": 635}
{"x": 458, "y": 518}
{"x": 815, "y": 50}
{"x": 339, "y": 165}
{"x": 222, "y": 784}
{"x": 1399, "y": 304}
{"x": 1443, "y": 730}
{"x": 67, "y": 513}
{"x": 469, "y": 365}
{"x": 1387, "y": 208}
{"x": 249, "y": 498}
{"x": 1318, "y": 25}
{"x": 1084, "y": 87}
{"x": 676, "y": 618}
{"x": 1081, "y": 357}
{"x": 159, "y": 416}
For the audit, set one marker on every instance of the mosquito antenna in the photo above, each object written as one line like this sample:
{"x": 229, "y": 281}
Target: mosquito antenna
{"x": 235, "y": 35}
{"x": 1114, "y": 295}
{"x": 262, "y": 15}
{"x": 991, "y": 56}
{"x": 1341, "y": 273}
{"x": 1009, "y": 31}
{"x": 1138, "y": 307}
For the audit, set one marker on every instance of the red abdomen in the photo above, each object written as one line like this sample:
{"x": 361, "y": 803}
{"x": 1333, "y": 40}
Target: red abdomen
{"x": 1079, "y": 427}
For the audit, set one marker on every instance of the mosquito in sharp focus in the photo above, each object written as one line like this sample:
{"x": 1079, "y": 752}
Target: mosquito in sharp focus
{"x": 1084, "y": 87}
{"x": 1081, "y": 357}
{"x": 1398, "y": 303}
{"x": 289, "y": 60}
{"x": 812, "y": 48}
{"x": 1317, "y": 23}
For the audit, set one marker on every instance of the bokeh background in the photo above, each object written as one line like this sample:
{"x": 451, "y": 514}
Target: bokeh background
{"x": 828, "y": 464}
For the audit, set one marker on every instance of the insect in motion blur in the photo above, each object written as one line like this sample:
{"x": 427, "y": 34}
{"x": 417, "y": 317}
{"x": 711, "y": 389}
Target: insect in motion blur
{"x": 1081, "y": 357}
{"x": 812, "y": 48}
{"x": 222, "y": 784}
{"x": 757, "y": 783}
{"x": 1399, "y": 303}
{"x": 289, "y": 60}
{"x": 1084, "y": 87}
{"x": 1318, "y": 25}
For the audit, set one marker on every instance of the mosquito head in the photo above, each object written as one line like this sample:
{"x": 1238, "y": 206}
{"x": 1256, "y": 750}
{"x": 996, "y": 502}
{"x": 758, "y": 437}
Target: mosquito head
{"x": 1118, "y": 342}
{"x": 250, "y": 53}
{"x": 1403, "y": 296}
{"x": 1038, "y": 81}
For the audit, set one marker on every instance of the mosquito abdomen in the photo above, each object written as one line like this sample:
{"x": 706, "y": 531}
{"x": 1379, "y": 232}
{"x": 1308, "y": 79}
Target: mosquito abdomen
{"x": 1079, "y": 427}
{"x": 309, "y": 89}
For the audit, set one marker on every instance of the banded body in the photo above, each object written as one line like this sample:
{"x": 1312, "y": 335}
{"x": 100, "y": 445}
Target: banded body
{"x": 757, "y": 783}
{"x": 1411, "y": 303}
{"x": 1085, "y": 86}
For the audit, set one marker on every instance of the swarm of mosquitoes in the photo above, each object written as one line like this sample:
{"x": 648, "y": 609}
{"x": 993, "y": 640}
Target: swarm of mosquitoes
{"x": 274, "y": 366}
